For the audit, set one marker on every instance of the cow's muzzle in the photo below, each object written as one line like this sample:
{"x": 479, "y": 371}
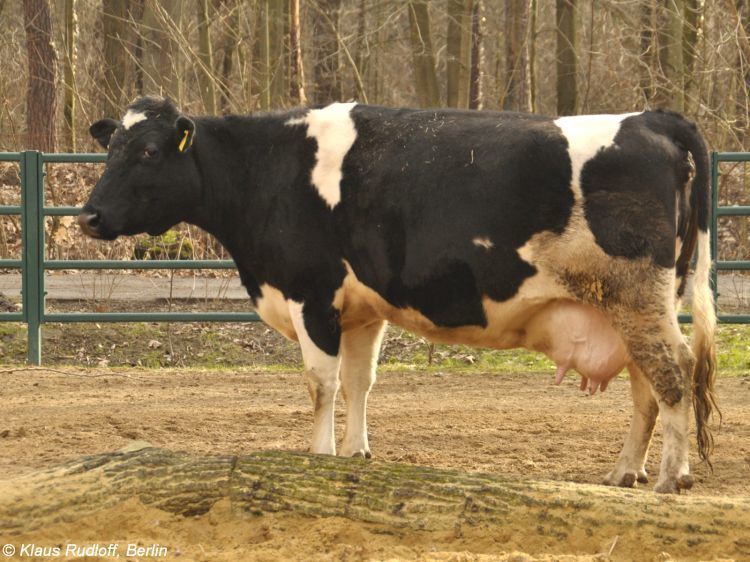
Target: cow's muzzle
{"x": 89, "y": 223}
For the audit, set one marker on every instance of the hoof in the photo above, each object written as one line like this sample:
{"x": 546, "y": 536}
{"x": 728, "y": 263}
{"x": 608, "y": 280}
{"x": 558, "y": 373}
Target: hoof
{"x": 642, "y": 477}
{"x": 626, "y": 480}
{"x": 357, "y": 454}
{"x": 675, "y": 485}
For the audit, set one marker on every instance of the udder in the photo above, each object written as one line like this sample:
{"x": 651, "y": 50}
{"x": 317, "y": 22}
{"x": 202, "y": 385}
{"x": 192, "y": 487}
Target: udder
{"x": 579, "y": 337}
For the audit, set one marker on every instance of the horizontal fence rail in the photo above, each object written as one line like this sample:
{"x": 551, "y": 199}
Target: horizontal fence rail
{"x": 33, "y": 264}
{"x": 725, "y": 211}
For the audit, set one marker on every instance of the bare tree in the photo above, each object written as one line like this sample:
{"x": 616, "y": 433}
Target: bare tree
{"x": 40, "y": 93}
{"x": 517, "y": 92}
{"x": 423, "y": 55}
{"x": 567, "y": 90}
{"x": 296, "y": 72}
{"x": 646, "y": 55}
{"x": 326, "y": 69}
{"x": 69, "y": 73}
{"x": 477, "y": 55}
{"x": 161, "y": 62}
{"x": 458, "y": 51}
{"x": 115, "y": 30}
{"x": 206, "y": 58}
{"x": 671, "y": 92}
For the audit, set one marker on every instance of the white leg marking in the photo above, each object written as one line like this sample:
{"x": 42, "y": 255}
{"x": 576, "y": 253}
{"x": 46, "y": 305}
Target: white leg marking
{"x": 587, "y": 134}
{"x": 360, "y": 348}
{"x": 630, "y": 466}
{"x": 132, "y": 117}
{"x": 321, "y": 373}
{"x": 674, "y": 472}
{"x": 333, "y": 129}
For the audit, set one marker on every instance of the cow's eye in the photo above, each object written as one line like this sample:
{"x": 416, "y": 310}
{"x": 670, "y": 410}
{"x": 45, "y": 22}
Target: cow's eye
{"x": 150, "y": 152}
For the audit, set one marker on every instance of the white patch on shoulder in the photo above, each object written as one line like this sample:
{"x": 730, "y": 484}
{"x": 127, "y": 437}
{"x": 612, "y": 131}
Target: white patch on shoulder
{"x": 333, "y": 129}
{"x": 483, "y": 242}
{"x": 132, "y": 117}
{"x": 587, "y": 135}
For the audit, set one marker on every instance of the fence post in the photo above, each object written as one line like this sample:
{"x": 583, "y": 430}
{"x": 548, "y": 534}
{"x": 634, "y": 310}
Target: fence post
{"x": 32, "y": 194}
{"x": 715, "y": 226}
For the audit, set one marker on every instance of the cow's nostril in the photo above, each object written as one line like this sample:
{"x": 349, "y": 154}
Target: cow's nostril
{"x": 89, "y": 222}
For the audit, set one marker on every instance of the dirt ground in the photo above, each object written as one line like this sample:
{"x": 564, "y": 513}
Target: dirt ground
{"x": 511, "y": 424}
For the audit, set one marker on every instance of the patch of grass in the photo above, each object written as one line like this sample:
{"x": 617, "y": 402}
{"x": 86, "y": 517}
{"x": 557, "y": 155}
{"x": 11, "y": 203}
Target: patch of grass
{"x": 256, "y": 347}
{"x": 733, "y": 349}
{"x": 13, "y": 336}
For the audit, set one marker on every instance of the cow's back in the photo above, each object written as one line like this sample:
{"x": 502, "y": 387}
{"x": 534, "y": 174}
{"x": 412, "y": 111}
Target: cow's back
{"x": 436, "y": 204}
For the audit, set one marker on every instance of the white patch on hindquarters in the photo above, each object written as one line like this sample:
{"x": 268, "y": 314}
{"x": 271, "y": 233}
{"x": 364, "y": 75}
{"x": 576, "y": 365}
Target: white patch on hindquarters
{"x": 333, "y": 130}
{"x": 587, "y": 135}
{"x": 133, "y": 117}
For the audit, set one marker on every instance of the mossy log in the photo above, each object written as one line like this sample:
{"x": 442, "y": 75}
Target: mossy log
{"x": 394, "y": 495}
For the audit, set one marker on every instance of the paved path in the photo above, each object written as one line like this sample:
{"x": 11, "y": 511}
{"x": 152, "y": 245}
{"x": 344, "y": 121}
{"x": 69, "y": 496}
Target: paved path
{"x": 734, "y": 290}
{"x": 127, "y": 286}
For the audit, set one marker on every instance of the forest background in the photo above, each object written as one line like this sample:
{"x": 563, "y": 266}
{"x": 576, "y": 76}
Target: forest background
{"x": 67, "y": 63}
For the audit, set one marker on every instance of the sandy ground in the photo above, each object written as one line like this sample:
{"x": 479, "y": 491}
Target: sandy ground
{"x": 511, "y": 424}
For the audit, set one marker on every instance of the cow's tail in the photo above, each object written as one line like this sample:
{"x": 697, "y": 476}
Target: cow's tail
{"x": 695, "y": 232}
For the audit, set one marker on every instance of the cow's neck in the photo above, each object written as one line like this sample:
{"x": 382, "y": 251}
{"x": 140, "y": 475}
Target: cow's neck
{"x": 234, "y": 159}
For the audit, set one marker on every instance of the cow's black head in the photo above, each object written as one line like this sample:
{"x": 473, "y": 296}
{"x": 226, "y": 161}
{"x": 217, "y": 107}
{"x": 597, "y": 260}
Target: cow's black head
{"x": 151, "y": 181}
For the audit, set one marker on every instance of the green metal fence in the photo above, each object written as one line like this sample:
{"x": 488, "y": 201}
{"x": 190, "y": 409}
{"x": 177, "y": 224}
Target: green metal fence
{"x": 33, "y": 263}
{"x": 725, "y": 211}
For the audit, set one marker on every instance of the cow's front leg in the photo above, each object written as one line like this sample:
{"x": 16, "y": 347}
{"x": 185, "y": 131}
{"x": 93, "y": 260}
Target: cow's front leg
{"x": 359, "y": 352}
{"x": 630, "y": 466}
{"x": 319, "y": 334}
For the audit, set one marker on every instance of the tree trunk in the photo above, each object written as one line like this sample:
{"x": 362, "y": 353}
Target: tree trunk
{"x": 40, "y": 94}
{"x": 389, "y": 495}
{"x": 671, "y": 93}
{"x": 115, "y": 18}
{"x": 458, "y": 52}
{"x": 646, "y": 55}
{"x": 477, "y": 56}
{"x": 516, "y": 96}
{"x": 206, "y": 58}
{"x": 137, "y": 9}
{"x": 424, "y": 58}
{"x": 690, "y": 35}
{"x": 278, "y": 28}
{"x": 231, "y": 41}
{"x": 69, "y": 73}
{"x": 296, "y": 73}
{"x": 326, "y": 70}
{"x": 161, "y": 60}
{"x": 532, "y": 54}
{"x": 567, "y": 92}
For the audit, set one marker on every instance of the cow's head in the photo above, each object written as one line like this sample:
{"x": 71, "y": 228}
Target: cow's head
{"x": 150, "y": 182}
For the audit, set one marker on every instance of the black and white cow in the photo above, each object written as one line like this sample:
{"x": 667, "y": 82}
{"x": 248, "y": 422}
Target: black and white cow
{"x": 570, "y": 236}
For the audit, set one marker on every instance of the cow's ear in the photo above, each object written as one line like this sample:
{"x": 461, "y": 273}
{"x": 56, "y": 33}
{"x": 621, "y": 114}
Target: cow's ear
{"x": 185, "y": 132}
{"x": 102, "y": 131}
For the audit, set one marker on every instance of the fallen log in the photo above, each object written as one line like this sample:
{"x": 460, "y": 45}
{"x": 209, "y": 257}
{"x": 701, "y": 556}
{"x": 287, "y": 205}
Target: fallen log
{"x": 563, "y": 515}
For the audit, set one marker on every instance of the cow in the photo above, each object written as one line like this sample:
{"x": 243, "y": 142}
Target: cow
{"x": 572, "y": 236}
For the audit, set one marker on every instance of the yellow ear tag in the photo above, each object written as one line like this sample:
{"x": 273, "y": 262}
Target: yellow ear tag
{"x": 184, "y": 141}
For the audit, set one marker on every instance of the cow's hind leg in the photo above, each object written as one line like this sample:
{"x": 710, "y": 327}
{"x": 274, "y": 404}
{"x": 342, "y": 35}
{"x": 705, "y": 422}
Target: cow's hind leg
{"x": 659, "y": 350}
{"x": 630, "y": 466}
{"x": 359, "y": 357}
{"x": 319, "y": 337}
